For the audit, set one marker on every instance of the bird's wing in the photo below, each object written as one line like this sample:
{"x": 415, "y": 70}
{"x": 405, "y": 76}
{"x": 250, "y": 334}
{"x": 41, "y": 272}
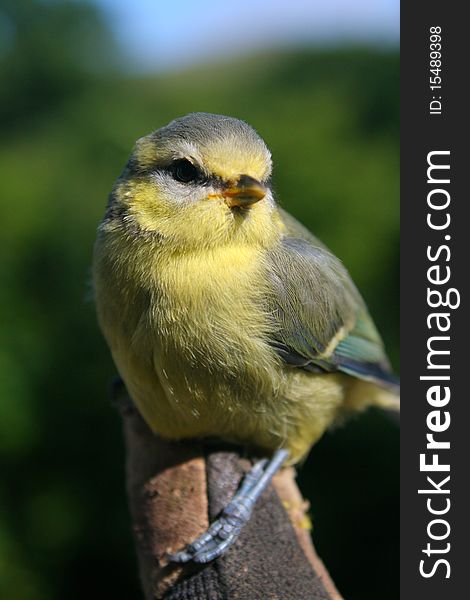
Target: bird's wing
{"x": 320, "y": 320}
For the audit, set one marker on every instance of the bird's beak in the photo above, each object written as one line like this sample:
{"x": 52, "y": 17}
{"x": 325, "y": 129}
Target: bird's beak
{"x": 244, "y": 192}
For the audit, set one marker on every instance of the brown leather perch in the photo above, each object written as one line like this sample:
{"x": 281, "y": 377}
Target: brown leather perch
{"x": 175, "y": 489}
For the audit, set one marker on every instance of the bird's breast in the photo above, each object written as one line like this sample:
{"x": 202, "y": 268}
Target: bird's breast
{"x": 208, "y": 307}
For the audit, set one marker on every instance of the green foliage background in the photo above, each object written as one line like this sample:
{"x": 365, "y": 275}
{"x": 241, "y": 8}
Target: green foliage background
{"x": 69, "y": 117}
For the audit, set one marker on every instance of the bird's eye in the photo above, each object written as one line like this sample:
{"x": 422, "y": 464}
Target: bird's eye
{"x": 184, "y": 171}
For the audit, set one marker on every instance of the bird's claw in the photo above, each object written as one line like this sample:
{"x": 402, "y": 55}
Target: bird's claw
{"x": 215, "y": 541}
{"x": 226, "y": 529}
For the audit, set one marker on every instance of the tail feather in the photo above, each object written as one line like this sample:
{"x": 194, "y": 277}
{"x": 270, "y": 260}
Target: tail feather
{"x": 362, "y": 393}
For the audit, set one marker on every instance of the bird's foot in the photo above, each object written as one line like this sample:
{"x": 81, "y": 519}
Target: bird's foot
{"x": 226, "y": 529}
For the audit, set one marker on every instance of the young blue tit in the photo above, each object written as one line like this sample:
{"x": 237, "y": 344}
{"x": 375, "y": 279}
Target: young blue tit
{"x": 224, "y": 315}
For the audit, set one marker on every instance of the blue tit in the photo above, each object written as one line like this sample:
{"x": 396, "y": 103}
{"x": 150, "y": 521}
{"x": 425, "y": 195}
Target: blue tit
{"x": 224, "y": 315}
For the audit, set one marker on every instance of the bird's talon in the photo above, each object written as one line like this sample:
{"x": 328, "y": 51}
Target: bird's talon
{"x": 226, "y": 529}
{"x": 180, "y": 557}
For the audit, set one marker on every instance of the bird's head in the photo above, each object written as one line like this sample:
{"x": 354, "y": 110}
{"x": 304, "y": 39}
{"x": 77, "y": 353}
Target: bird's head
{"x": 201, "y": 181}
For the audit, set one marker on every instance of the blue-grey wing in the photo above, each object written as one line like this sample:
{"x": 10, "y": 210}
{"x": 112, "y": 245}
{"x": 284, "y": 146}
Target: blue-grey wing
{"x": 320, "y": 321}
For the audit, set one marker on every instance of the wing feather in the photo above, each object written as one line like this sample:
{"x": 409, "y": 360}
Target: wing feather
{"x": 321, "y": 322}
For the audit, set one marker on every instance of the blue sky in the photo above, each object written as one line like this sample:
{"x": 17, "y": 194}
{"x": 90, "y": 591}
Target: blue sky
{"x": 157, "y": 35}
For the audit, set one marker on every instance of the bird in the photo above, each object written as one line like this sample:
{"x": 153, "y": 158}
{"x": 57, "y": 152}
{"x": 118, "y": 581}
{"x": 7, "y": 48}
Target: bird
{"x": 224, "y": 315}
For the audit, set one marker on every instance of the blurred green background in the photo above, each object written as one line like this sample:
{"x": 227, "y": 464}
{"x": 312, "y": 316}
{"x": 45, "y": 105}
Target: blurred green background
{"x": 68, "y": 118}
